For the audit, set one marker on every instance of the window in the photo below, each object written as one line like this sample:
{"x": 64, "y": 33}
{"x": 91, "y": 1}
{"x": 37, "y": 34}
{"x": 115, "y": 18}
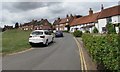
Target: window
{"x": 46, "y": 32}
{"x": 104, "y": 29}
{"x": 37, "y": 33}
{"x": 109, "y": 20}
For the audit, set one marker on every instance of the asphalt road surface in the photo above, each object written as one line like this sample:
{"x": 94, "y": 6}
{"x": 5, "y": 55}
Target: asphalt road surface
{"x": 63, "y": 54}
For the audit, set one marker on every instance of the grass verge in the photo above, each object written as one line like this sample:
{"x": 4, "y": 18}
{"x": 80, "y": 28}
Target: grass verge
{"x": 14, "y": 41}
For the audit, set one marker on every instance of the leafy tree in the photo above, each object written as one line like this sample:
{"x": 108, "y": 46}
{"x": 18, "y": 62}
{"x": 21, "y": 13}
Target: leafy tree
{"x": 110, "y": 28}
{"x": 95, "y": 30}
{"x": 16, "y": 25}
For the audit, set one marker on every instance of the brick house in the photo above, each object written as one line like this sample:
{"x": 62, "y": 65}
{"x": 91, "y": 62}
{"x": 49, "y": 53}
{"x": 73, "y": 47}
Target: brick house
{"x": 61, "y": 23}
{"x": 6, "y": 27}
{"x": 36, "y": 25}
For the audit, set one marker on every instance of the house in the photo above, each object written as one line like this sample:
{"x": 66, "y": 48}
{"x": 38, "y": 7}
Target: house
{"x": 56, "y": 24}
{"x": 98, "y": 20}
{"x": 109, "y": 15}
{"x": 36, "y": 25}
{"x": 6, "y": 27}
{"x": 61, "y": 24}
{"x": 28, "y": 26}
{"x": 84, "y": 23}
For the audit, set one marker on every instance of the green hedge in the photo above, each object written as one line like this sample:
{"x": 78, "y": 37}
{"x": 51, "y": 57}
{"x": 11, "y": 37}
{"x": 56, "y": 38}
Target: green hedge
{"x": 104, "y": 50}
{"x": 77, "y": 33}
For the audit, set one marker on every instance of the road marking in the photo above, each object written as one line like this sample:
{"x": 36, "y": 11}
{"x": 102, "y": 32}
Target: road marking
{"x": 20, "y": 52}
{"x": 83, "y": 62}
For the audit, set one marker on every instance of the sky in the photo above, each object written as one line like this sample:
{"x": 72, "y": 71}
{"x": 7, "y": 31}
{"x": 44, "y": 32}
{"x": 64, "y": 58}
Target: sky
{"x": 23, "y": 11}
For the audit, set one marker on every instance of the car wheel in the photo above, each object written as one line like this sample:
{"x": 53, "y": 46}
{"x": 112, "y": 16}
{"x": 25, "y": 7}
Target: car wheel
{"x": 46, "y": 44}
{"x": 32, "y": 45}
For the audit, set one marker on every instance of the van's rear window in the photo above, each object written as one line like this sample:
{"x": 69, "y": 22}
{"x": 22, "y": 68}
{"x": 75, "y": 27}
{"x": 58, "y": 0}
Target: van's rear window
{"x": 37, "y": 33}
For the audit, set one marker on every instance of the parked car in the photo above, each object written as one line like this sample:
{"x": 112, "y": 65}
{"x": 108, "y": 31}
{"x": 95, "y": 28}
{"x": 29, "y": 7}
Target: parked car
{"x": 40, "y": 37}
{"x": 58, "y": 34}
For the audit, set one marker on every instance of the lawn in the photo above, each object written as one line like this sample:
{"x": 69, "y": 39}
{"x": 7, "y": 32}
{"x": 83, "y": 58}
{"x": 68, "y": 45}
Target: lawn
{"x": 14, "y": 41}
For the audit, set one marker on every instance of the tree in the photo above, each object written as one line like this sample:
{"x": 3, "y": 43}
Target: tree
{"x": 95, "y": 30}
{"x": 110, "y": 28}
{"x": 16, "y": 25}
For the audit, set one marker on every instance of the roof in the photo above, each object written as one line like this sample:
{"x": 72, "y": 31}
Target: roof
{"x": 64, "y": 20}
{"x": 42, "y": 22}
{"x": 94, "y": 17}
{"x": 85, "y": 19}
{"x": 56, "y": 22}
{"x": 112, "y": 11}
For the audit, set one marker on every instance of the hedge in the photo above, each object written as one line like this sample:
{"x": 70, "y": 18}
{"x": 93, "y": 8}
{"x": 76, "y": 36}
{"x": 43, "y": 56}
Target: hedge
{"x": 105, "y": 50}
{"x": 77, "y": 33}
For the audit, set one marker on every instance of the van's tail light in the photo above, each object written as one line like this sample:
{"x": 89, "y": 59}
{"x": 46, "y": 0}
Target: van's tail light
{"x": 30, "y": 36}
{"x": 42, "y": 36}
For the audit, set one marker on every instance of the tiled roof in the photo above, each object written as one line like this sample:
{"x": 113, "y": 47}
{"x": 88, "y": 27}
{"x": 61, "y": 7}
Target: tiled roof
{"x": 94, "y": 17}
{"x": 56, "y": 22}
{"x": 64, "y": 20}
{"x": 42, "y": 22}
{"x": 112, "y": 11}
{"x": 85, "y": 19}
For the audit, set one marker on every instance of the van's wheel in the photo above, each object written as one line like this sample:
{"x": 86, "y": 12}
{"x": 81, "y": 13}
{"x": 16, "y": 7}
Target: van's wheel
{"x": 46, "y": 44}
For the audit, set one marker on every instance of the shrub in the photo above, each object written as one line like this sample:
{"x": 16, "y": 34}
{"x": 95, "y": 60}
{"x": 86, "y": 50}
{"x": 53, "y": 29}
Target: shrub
{"x": 95, "y": 30}
{"x": 77, "y": 33}
{"x": 104, "y": 50}
{"x": 87, "y": 31}
{"x": 110, "y": 28}
{"x": 66, "y": 31}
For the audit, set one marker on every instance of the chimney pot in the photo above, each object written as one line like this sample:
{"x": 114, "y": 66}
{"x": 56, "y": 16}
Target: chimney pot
{"x": 67, "y": 15}
{"x": 90, "y": 11}
{"x": 102, "y": 7}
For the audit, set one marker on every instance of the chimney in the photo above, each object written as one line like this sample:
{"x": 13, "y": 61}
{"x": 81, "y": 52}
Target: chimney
{"x": 71, "y": 15}
{"x": 90, "y": 11}
{"x": 102, "y": 7}
{"x": 41, "y": 19}
{"x": 58, "y": 18}
{"x": 67, "y": 16}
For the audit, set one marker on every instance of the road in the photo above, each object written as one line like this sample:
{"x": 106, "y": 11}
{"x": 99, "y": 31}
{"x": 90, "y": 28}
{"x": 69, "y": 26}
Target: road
{"x": 63, "y": 54}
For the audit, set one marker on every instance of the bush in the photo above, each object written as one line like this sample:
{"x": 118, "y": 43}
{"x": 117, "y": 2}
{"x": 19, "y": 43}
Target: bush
{"x": 95, "y": 30}
{"x": 87, "y": 31}
{"x": 77, "y": 33}
{"x": 104, "y": 50}
{"x": 110, "y": 28}
{"x": 66, "y": 31}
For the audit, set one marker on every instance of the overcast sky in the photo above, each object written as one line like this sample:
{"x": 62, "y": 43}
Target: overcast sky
{"x": 16, "y": 11}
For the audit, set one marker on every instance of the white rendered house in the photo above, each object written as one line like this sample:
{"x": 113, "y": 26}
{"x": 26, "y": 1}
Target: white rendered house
{"x": 109, "y": 15}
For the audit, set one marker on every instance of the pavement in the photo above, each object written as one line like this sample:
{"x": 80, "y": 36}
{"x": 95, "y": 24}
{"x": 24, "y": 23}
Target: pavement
{"x": 63, "y": 54}
{"x": 89, "y": 64}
